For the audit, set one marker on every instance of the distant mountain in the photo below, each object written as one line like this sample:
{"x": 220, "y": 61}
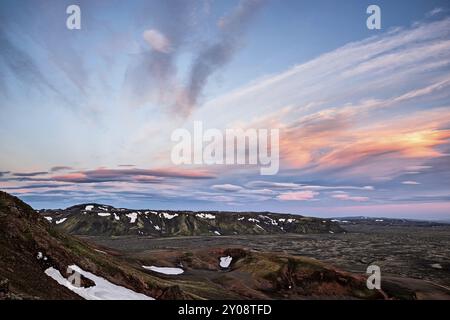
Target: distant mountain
{"x": 386, "y": 221}
{"x": 97, "y": 219}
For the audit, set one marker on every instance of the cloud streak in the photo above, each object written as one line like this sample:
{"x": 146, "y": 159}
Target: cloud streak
{"x": 29, "y": 174}
{"x": 133, "y": 175}
{"x": 153, "y": 75}
{"x": 218, "y": 54}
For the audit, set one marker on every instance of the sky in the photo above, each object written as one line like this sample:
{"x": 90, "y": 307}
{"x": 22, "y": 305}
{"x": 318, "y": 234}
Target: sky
{"x": 364, "y": 115}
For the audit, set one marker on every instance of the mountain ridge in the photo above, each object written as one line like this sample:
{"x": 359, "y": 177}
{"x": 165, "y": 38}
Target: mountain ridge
{"x": 98, "y": 219}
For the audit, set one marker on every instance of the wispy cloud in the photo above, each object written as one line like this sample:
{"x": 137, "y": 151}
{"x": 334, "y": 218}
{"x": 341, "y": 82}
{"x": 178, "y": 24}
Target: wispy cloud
{"x": 216, "y": 55}
{"x": 410, "y": 182}
{"x": 60, "y": 168}
{"x": 137, "y": 175}
{"x": 297, "y": 186}
{"x": 346, "y": 197}
{"x": 435, "y": 12}
{"x": 22, "y": 66}
{"x": 227, "y": 187}
{"x": 29, "y": 174}
{"x": 153, "y": 74}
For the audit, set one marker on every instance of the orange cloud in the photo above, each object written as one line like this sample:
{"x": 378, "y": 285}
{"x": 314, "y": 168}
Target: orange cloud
{"x": 337, "y": 140}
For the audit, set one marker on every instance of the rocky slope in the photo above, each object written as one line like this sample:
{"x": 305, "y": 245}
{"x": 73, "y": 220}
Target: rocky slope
{"x": 29, "y": 246}
{"x": 95, "y": 219}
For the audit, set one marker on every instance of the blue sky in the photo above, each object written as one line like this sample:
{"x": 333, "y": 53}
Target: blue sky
{"x": 364, "y": 118}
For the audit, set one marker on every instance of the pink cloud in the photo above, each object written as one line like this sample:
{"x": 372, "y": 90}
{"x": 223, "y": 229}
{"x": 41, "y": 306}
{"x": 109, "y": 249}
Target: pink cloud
{"x": 297, "y": 196}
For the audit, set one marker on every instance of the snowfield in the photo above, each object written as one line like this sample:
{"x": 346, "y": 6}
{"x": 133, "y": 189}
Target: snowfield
{"x": 103, "y": 289}
{"x": 165, "y": 270}
{"x": 225, "y": 261}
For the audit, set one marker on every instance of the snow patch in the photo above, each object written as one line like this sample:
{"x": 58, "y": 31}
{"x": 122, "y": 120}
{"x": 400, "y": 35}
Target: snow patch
{"x": 164, "y": 270}
{"x": 217, "y": 232}
{"x": 116, "y": 216}
{"x": 104, "y": 214}
{"x": 206, "y": 216}
{"x": 132, "y": 216}
{"x": 225, "y": 261}
{"x": 61, "y": 220}
{"x": 103, "y": 289}
{"x": 89, "y": 208}
{"x": 288, "y": 220}
{"x": 49, "y": 219}
{"x": 253, "y": 220}
{"x": 168, "y": 215}
{"x": 273, "y": 222}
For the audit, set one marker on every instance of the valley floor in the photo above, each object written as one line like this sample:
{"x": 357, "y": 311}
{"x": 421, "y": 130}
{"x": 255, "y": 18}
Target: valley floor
{"x": 409, "y": 256}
